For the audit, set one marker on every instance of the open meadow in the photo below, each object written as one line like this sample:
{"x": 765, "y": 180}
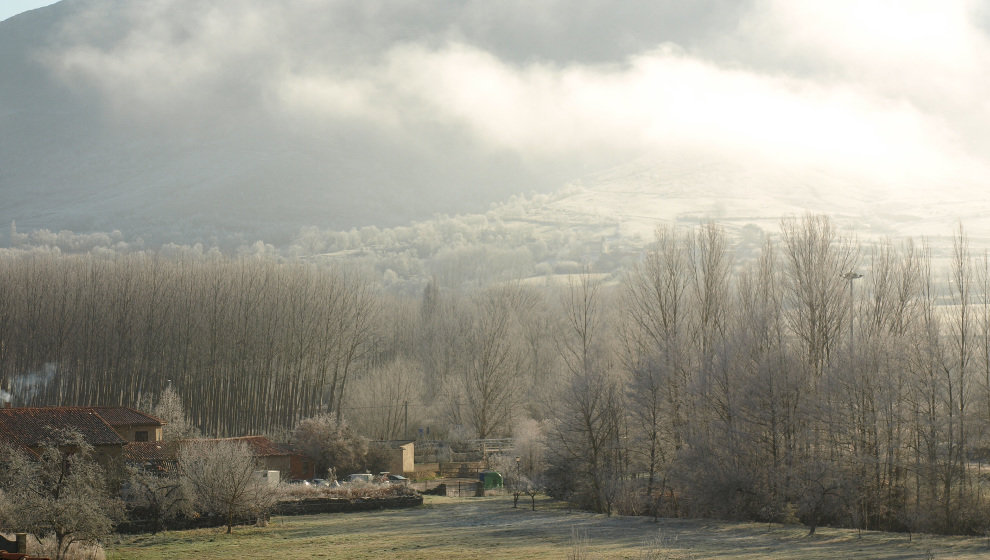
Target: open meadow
{"x": 489, "y": 528}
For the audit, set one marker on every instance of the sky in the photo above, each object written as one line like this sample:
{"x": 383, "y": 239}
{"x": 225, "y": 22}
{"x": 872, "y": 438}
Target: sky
{"x": 893, "y": 89}
{"x": 10, "y": 8}
{"x": 888, "y": 92}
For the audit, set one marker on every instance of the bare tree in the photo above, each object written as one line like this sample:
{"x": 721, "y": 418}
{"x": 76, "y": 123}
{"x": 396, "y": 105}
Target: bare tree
{"x": 492, "y": 361}
{"x": 168, "y": 408}
{"x": 385, "y": 401}
{"x": 160, "y": 496}
{"x": 815, "y": 262}
{"x": 221, "y": 480}
{"x": 772, "y": 396}
{"x": 62, "y": 492}
{"x": 962, "y": 344}
{"x": 586, "y": 438}
{"x": 330, "y": 444}
{"x": 655, "y": 302}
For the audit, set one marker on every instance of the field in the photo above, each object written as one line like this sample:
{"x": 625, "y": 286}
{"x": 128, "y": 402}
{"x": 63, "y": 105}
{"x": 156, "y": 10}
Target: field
{"x": 489, "y": 528}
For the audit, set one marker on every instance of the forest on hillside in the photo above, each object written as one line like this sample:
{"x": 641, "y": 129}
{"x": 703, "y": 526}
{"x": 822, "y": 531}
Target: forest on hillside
{"x": 691, "y": 383}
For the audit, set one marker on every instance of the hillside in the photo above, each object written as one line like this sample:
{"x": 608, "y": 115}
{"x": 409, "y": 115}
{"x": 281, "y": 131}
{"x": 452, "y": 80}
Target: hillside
{"x": 217, "y": 169}
{"x": 229, "y": 123}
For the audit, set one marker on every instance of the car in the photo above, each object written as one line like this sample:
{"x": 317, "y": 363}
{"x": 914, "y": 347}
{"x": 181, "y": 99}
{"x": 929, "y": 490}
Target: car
{"x": 397, "y": 479}
{"x": 358, "y": 478}
{"x": 319, "y": 482}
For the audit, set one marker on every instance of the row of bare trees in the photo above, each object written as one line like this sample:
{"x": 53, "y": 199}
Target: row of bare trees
{"x": 774, "y": 390}
{"x": 780, "y": 387}
{"x": 250, "y": 344}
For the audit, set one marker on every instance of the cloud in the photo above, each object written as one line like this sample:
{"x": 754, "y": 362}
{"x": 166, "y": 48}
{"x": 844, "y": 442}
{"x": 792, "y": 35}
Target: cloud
{"x": 889, "y": 91}
{"x": 668, "y": 100}
{"x": 930, "y": 54}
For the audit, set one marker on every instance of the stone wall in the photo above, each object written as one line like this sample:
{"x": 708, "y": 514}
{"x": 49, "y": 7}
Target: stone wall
{"x": 299, "y": 507}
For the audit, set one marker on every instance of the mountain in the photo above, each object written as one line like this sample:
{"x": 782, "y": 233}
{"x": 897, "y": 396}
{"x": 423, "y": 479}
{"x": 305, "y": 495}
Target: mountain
{"x": 230, "y": 122}
{"x": 70, "y": 158}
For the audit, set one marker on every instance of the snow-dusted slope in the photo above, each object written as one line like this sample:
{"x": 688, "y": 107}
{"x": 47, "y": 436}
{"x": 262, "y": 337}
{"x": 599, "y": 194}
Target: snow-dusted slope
{"x": 690, "y": 189}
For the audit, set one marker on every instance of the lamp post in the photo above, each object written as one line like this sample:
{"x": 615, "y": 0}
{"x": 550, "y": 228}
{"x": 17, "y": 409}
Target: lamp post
{"x": 850, "y": 276}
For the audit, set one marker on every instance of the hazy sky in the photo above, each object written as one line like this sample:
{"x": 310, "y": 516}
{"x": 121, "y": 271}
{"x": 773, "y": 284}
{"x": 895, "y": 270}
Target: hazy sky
{"x": 10, "y": 8}
{"x": 898, "y": 90}
{"x": 892, "y": 92}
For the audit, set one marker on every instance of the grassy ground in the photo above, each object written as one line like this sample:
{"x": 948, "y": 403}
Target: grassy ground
{"x": 490, "y": 529}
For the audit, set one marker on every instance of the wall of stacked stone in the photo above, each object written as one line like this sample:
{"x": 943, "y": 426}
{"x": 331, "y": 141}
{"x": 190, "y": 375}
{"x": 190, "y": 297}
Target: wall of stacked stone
{"x": 307, "y": 506}
{"x": 343, "y": 505}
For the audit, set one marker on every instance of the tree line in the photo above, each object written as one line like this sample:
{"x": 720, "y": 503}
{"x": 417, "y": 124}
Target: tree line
{"x": 781, "y": 387}
{"x": 251, "y": 345}
{"x": 824, "y": 382}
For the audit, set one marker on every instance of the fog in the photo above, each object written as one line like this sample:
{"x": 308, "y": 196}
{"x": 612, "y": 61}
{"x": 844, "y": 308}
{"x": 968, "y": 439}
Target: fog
{"x": 380, "y": 113}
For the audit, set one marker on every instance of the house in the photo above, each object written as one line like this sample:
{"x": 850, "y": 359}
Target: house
{"x": 30, "y": 428}
{"x": 301, "y": 467}
{"x": 267, "y": 454}
{"x": 274, "y": 457}
{"x": 107, "y": 428}
{"x": 163, "y": 457}
{"x": 130, "y": 424}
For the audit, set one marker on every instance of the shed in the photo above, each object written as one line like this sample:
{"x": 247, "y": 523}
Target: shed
{"x": 490, "y": 480}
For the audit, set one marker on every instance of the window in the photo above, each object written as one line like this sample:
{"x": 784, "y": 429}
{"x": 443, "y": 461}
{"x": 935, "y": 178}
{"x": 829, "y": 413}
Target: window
{"x": 141, "y": 435}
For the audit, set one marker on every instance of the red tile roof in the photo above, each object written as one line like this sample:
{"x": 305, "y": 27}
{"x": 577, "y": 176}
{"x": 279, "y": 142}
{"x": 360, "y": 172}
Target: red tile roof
{"x": 153, "y": 456}
{"x": 124, "y": 416}
{"x": 137, "y": 452}
{"x": 32, "y": 427}
{"x": 261, "y": 446}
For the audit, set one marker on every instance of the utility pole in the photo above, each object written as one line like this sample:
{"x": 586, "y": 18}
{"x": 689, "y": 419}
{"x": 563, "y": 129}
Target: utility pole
{"x": 405, "y": 419}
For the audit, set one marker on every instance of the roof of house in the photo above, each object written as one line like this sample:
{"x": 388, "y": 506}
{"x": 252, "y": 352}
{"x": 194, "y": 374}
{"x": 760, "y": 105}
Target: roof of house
{"x": 142, "y": 451}
{"x": 32, "y": 427}
{"x": 262, "y": 446}
{"x": 125, "y": 416}
{"x": 153, "y": 456}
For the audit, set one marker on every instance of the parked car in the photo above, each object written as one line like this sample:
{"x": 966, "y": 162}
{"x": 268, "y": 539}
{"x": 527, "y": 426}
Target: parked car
{"x": 397, "y": 479}
{"x": 366, "y": 478}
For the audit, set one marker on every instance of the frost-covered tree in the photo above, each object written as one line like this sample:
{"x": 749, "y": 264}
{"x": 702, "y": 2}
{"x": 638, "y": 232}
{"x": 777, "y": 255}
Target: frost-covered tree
{"x": 169, "y": 408}
{"x": 220, "y": 478}
{"x": 330, "y": 443}
{"x": 61, "y": 492}
{"x": 160, "y": 496}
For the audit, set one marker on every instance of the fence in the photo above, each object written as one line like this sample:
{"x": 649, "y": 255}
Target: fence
{"x": 435, "y": 451}
{"x": 450, "y": 488}
{"x": 460, "y": 470}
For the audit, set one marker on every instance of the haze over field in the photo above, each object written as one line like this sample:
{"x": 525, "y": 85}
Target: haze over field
{"x": 184, "y": 120}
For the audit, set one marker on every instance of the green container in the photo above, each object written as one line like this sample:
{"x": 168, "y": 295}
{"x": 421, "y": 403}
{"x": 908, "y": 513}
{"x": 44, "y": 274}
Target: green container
{"x": 490, "y": 480}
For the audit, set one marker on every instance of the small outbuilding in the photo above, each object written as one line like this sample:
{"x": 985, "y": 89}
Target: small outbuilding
{"x": 401, "y": 455}
{"x": 490, "y": 480}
